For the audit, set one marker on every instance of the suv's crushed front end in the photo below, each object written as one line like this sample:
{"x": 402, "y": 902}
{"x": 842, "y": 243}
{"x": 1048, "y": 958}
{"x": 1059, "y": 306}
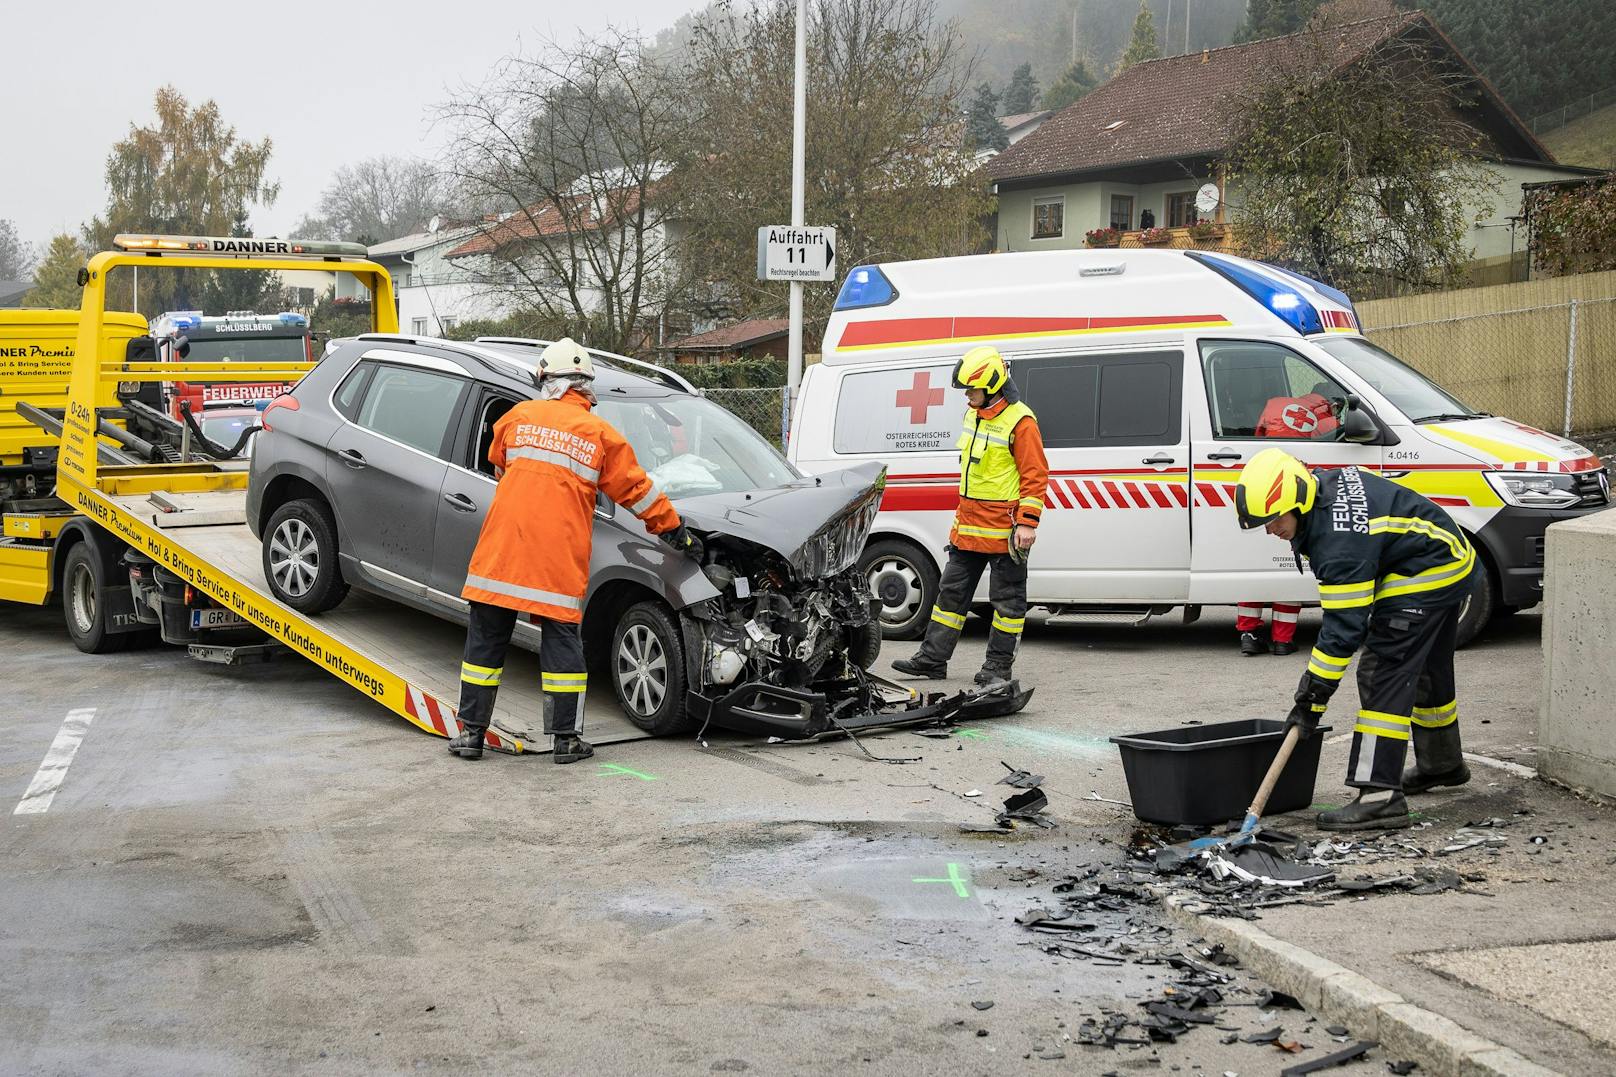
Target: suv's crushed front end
{"x": 783, "y": 650}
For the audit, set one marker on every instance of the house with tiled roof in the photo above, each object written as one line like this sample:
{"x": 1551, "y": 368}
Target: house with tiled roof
{"x": 1133, "y": 153}
{"x": 754, "y": 338}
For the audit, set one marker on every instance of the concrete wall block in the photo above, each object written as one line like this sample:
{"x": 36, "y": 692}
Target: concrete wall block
{"x": 1579, "y": 630}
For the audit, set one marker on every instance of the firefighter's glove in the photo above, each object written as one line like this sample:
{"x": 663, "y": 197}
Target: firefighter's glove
{"x": 1305, "y": 715}
{"x": 684, "y": 541}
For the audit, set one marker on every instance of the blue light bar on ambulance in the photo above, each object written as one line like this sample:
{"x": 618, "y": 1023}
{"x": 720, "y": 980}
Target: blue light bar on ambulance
{"x": 1272, "y": 290}
{"x": 303, "y": 248}
{"x": 865, "y": 286}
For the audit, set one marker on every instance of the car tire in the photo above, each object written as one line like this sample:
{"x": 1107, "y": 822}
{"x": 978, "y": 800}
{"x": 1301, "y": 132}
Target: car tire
{"x": 300, "y": 556}
{"x": 647, "y": 662}
{"x": 905, "y": 580}
{"x": 1477, "y": 610}
{"x": 84, "y": 606}
{"x": 864, "y": 644}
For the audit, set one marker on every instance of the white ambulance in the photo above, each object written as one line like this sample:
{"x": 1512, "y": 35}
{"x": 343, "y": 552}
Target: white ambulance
{"x": 1155, "y": 375}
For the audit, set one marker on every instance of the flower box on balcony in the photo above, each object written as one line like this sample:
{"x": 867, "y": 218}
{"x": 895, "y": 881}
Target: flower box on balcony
{"x": 1206, "y": 231}
{"x": 1155, "y": 237}
{"x": 1103, "y": 237}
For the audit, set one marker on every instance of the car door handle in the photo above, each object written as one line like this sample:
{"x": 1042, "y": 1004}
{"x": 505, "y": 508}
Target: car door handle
{"x": 460, "y": 502}
{"x": 1226, "y": 454}
{"x": 352, "y": 457}
{"x": 1157, "y": 460}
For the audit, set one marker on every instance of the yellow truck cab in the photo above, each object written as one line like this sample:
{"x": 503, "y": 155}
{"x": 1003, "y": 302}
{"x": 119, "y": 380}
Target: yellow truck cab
{"x": 36, "y": 360}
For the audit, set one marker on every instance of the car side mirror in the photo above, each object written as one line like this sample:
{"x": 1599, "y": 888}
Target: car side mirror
{"x": 1358, "y": 425}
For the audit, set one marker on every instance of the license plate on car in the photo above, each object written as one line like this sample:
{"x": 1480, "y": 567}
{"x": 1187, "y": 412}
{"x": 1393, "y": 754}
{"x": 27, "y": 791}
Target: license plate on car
{"x": 217, "y": 619}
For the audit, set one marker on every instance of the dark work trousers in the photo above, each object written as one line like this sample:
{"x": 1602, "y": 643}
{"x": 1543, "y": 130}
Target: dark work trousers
{"x": 561, "y": 657}
{"x": 1007, "y": 590}
{"x": 1405, "y": 682}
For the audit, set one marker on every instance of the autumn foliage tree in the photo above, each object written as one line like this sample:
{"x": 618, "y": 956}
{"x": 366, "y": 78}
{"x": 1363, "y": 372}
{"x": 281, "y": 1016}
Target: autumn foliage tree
{"x": 1363, "y": 175}
{"x": 186, "y": 174}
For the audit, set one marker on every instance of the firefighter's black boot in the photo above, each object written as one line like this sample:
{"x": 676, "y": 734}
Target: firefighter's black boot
{"x": 1438, "y": 760}
{"x": 992, "y": 673}
{"x": 1361, "y": 814}
{"x": 570, "y": 748}
{"x": 1252, "y": 643}
{"x": 469, "y": 744}
{"x": 921, "y": 666}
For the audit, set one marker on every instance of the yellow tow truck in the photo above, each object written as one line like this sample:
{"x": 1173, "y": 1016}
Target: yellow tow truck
{"x": 134, "y": 542}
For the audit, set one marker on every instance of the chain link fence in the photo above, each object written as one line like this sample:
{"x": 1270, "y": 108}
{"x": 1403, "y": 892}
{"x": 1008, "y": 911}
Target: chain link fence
{"x": 1551, "y": 366}
{"x": 761, "y": 409}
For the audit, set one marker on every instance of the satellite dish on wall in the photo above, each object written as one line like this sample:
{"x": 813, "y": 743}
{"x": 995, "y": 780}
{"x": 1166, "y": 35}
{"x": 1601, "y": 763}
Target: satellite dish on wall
{"x": 1206, "y": 199}
{"x": 434, "y": 224}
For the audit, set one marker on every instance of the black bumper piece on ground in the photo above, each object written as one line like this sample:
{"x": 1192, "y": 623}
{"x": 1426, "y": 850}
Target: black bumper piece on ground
{"x": 854, "y": 706}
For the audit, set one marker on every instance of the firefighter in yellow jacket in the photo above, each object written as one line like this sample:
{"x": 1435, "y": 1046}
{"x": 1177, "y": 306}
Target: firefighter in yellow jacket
{"x": 1003, "y": 479}
{"x": 532, "y": 556}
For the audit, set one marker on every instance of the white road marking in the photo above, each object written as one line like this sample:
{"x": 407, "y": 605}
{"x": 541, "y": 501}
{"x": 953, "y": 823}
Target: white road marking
{"x": 1517, "y": 769}
{"x": 51, "y": 773}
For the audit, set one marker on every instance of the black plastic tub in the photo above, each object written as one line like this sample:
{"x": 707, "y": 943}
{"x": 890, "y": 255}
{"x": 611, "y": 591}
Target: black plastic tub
{"x": 1202, "y": 775}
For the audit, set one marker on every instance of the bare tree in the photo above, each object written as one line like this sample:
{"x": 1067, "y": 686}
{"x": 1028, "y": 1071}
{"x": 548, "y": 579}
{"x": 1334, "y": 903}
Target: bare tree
{"x": 16, "y": 257}
{"x": 567, "y": 149}
{"x": 887, "y": 160}
{"x": 377, "y": 199}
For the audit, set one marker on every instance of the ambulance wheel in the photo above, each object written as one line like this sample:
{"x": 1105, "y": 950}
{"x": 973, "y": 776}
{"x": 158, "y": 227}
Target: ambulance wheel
{"x": 1478, "y": 609}
{"x": 300, "y": 556}
{"x": 904, "y": 578}
{"x": 648, "y": 669}
{"x": 83, "y": 604}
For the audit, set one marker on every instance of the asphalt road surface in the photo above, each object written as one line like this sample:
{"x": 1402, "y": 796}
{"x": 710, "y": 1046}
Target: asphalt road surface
{"x": 258, "y": 870}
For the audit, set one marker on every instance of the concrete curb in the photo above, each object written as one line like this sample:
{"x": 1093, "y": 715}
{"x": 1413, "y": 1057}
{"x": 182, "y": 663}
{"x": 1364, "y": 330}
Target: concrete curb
{"x": 1404, "y": 1030}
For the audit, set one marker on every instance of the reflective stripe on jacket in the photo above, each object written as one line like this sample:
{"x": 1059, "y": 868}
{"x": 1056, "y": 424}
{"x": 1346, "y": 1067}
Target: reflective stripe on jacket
{"x": 1004, "y": 477}
{"x": 533, "y": 552}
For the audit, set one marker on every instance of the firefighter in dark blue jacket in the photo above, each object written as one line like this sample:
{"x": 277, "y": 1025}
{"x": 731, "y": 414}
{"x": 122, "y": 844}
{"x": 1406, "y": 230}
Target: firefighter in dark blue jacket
{"x": 1393, "y": 574}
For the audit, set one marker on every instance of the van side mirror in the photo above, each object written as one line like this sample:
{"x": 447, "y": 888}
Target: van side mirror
{"x": 1358, "y": 425}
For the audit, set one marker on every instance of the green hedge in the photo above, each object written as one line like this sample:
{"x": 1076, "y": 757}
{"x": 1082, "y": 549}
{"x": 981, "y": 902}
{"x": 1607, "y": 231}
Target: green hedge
{"x": 736, "y": 374}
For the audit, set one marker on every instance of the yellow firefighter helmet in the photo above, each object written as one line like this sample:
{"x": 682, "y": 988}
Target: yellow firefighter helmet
{"x": 982, "y": 368}
{"x": 1272, "y": 484}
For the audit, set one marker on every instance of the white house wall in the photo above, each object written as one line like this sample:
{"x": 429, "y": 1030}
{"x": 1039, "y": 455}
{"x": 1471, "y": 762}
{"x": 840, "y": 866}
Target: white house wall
{"x": 1088, "y": 206}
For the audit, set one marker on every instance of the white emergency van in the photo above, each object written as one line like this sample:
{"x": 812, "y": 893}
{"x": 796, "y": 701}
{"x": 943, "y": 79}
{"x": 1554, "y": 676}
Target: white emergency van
{"x": 1155, "y": 375}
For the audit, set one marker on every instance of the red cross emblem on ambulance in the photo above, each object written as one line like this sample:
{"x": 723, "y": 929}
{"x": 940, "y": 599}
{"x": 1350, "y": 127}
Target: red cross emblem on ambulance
{"x": 1300, "y": 419}
{"x": 919, "y": 398}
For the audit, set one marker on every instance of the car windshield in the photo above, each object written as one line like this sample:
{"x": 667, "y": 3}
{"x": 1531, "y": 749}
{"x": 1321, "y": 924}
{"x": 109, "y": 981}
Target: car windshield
{"x": 692, "y": 446}
{"x": 1415, "y": 395}
{"x": 238, "y": 349}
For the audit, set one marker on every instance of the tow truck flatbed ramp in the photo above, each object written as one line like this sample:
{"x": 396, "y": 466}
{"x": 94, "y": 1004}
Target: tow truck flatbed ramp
{"x": 208, "y": 543}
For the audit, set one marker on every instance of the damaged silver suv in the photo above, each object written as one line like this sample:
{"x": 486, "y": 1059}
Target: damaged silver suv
{"x": 373, "y": 473}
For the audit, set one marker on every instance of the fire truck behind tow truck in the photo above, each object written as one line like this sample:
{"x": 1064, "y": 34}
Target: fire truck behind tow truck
{"x": 239, "y": 336}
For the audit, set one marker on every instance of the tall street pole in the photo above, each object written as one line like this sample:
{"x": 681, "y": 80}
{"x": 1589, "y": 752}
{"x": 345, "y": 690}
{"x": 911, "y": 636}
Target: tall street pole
{"x": 799, "y": 110}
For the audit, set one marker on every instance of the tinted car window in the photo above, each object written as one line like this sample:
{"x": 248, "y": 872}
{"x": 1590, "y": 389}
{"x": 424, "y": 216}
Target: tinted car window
{"x": 411, "y": 406}
{"x": 1100, "y": 400}
{"x": 352, "y": 390}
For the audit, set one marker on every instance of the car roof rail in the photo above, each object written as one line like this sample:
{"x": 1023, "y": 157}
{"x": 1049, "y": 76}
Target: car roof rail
{"x": 485, "y": 356}
{"x": 662, "y": 373}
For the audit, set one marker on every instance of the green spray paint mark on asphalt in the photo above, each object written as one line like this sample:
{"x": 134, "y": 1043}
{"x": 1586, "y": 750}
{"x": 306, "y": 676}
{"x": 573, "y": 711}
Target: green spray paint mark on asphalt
{"x": 971, "y": 734}
{"x": 954, "y": 878}
{"x": 607, "y": 769}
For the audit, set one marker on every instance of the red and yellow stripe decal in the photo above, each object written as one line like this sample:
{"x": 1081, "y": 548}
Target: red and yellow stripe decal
{"x": 909, "y": 332}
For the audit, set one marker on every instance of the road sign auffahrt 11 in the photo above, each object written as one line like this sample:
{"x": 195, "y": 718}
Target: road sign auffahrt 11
{"x": 787, "y": 253}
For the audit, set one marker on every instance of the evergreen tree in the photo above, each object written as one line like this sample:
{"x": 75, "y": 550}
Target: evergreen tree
{"x": 1275, "y": 18}
{"x": 1021, "y": 93}
{"x": 1076, "y": 83}
{"x": 56, "y": 283}
{"x": 983, "y": 131}
{"x": 1144, "y": 45}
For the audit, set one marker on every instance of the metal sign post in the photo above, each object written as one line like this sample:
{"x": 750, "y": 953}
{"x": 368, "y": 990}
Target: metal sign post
{"x": 799, "y": 114}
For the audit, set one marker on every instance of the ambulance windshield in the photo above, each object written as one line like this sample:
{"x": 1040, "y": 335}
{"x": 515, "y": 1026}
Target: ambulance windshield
{"x": 692, "y": 446}
{"x": 1415, "y": 395}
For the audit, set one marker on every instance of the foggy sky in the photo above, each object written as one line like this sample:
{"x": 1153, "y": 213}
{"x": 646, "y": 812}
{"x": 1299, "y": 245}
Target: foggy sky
{"x": 331, "y": 83}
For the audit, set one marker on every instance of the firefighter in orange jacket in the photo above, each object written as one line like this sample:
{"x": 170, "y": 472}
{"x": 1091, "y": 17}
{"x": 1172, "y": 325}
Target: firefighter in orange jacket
{"x": 1003, "y": 479}
{"x": 532, "y": 556}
